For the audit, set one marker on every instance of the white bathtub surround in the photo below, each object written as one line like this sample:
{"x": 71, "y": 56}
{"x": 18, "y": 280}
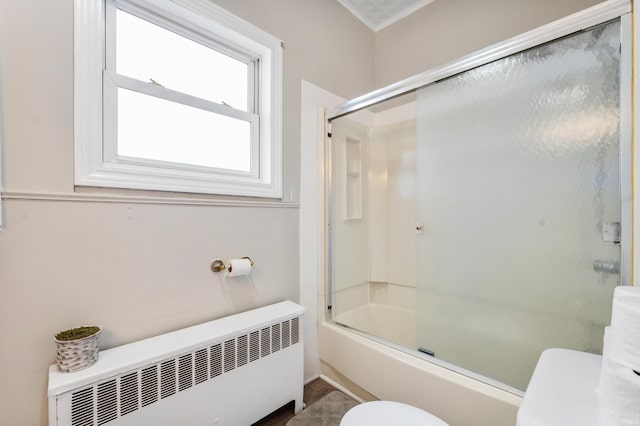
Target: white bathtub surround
{"x": 350, "y": 298}
{"x": 390, "y": 374}
{"x": 397, "y": 295}
{"x": 384, "y": 310}
{"x": 396, "y": 325}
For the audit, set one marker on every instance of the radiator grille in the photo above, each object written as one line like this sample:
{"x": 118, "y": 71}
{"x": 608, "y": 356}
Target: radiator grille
{"x": 295, "y": 330}
{"x": 242, "y": 350}
{"x": 82, "y": 408}
{"x": 167, "y": 378}
{"x": 201, "y": 366}
{"x": 118, "y": 396}
{"x": 149, "y": 385}
{"x": 229, "y": 355}
{"x": 185, "y": 372}
{"x": 107, "y": 402}
{"x": 254, "y": 345}
{"x": 265, "y": 346}
{"x": 216, "y": 360}
{"x": 275, "y": 337}
{"x": 128, "y": 393}
{"x": 286, "y": 334}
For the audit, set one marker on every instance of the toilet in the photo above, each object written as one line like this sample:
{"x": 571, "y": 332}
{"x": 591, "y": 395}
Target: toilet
{"x": 563, "y": 390}
{"x": 379, "y": 413}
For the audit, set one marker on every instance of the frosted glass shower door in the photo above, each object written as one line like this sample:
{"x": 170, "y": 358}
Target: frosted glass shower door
{"x": 518, "y": 173}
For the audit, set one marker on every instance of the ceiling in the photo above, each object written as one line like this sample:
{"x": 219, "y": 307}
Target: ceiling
{"x": 377, "y": 14}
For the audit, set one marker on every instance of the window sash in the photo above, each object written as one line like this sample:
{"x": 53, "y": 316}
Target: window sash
{"x": 113, "y": 81}
{"x": 187, "y": 29}
{"x": 163, "y": 67}
{"x": 172, "y": 21}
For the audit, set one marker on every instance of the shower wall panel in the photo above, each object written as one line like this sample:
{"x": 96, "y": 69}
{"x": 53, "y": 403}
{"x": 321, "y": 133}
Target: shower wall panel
{"x": 378, "y": 207}
{"x": 401, "y": 169}
{"x": 350, "y": 225}
{"x": 392, "y": 175}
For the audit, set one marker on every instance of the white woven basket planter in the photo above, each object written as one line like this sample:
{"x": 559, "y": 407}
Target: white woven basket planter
{"x": 78, "y": 354}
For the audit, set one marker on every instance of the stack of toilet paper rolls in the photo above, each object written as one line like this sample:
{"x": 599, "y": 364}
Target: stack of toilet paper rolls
{"x": 619, "y": 387}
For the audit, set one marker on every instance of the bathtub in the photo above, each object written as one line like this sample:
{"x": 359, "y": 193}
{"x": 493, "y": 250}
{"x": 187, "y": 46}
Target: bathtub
{"x": 390, "y": 373}
{"x": 391, "y": 323}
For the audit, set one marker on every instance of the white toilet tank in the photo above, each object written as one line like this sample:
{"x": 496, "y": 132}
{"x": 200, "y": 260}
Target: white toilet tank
{"x": 562, "y": 390}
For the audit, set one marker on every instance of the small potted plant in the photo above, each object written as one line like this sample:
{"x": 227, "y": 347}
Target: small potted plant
{"x": 77, "y": 348}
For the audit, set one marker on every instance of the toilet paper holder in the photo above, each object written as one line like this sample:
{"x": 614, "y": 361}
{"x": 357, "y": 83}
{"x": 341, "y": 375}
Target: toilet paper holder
{"x": 218, "y": 265}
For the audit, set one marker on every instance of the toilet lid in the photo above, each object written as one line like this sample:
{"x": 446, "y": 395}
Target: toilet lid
{"x": 385, "y": 413}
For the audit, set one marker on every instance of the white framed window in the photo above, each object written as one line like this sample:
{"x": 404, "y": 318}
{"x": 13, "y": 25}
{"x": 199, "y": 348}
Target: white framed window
{"x": 176, "y": 95}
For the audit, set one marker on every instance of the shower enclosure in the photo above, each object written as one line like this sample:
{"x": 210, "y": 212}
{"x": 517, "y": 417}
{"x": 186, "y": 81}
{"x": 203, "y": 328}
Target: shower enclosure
{"x": 483, "y": 217}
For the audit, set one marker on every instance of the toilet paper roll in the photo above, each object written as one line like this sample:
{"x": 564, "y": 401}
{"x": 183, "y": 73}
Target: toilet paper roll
{"x": 625, "y": 327}
{"x": 239, "y": 267}
{"x": 619, "y": 395}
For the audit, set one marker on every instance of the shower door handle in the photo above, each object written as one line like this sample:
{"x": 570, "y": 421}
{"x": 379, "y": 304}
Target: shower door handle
{"x": 609, "y": 266}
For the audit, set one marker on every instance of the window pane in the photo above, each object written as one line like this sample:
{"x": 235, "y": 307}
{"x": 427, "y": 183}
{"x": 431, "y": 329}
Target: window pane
{"x": 149, "y": 53}
{"x": 156, "y": 129}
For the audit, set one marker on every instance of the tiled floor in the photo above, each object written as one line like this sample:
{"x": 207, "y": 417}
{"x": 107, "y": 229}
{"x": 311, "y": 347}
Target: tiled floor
{"x": 312, "y": 392}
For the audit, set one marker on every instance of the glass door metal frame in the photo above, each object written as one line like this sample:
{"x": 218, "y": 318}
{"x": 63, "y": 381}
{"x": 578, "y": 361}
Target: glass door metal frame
{"x": 583, "y": 20}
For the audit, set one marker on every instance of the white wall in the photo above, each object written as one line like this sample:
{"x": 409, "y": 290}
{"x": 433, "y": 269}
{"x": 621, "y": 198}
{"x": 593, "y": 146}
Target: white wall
{"x": 138, "y": 268}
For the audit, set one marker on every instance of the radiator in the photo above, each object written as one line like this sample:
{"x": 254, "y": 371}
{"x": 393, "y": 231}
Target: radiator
{"x": 231, "y": 371}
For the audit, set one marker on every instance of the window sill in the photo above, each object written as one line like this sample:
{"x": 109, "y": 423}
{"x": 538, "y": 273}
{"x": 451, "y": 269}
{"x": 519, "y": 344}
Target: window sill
{"x": 140, "y": 199}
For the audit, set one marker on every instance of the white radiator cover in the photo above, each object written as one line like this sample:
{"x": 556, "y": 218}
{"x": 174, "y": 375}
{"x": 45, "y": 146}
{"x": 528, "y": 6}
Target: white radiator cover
{"x": 231, "y": 371}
